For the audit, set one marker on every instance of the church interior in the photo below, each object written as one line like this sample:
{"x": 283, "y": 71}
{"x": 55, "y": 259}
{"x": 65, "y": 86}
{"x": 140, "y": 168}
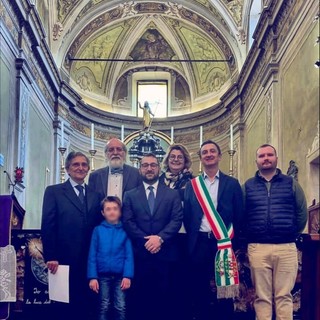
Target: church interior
{"x": 74, "y": 74}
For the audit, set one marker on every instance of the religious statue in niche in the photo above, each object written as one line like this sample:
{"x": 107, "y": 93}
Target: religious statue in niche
{"x": 152, "y": 46}
{"x": 293, "y": 170}
{"x": 147, "y": 113}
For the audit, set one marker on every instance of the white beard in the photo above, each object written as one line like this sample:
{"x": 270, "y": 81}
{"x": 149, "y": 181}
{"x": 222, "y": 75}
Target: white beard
{"x": 116, "y": 163}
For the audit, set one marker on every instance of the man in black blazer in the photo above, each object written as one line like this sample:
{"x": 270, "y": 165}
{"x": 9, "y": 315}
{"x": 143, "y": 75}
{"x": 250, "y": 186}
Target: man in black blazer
{"x": 225, "y": 192}
{"x": 152, "y": 217}
{"x": 117, "y": 177}
{"x": 70, "y": 212}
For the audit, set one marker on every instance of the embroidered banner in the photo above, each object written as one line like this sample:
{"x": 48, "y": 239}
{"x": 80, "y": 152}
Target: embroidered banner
{"x": 6, "y": 204}
{"x": 7, "y": 274}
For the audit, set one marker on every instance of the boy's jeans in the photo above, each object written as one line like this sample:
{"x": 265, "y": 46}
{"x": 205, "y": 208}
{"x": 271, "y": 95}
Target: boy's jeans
{"x": 109, "y": 290}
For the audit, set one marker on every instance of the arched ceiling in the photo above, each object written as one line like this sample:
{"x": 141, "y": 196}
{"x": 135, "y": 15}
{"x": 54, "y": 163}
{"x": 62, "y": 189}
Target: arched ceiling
{"x": 140, "y": 30}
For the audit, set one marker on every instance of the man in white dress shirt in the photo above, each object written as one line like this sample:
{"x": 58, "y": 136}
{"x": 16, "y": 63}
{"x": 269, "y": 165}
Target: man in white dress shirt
{"x": 117, "y": 177}
{"x": 226, "y": 195}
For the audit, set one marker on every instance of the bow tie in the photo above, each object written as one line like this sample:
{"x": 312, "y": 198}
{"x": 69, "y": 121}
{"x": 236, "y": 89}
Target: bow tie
{"x": 116, "y": 170}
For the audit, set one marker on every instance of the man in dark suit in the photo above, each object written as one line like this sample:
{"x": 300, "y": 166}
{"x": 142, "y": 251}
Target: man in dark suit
{"x": 225, "y": 193}
{"x": 70, "y": 212}
{"x": 117, "y": 177}
{"x": 152, "y": 217}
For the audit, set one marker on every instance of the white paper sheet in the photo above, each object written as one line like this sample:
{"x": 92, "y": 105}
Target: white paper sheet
{"x": 59, "y": 284}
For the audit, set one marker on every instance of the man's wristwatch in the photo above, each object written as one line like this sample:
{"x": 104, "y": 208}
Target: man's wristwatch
{"x": 161, "y": 240}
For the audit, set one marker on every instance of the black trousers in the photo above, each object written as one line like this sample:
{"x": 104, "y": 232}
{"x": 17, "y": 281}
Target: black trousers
{"x": 204, "y": 303}
{"x": 82, "y": 304}
{"x": 179, "y": 281}
{"x": 150, "y": 297}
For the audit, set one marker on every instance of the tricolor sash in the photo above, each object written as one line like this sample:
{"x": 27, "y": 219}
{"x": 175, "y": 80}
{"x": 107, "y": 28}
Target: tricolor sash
{"x": 226, "y": 269}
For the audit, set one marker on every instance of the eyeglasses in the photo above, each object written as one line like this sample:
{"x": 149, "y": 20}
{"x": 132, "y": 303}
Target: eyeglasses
{"x": 179, "y": 157}
{"x": 147, "y": 165}
{"x": 112, "y": 149}
{"x": 78, "y": 165}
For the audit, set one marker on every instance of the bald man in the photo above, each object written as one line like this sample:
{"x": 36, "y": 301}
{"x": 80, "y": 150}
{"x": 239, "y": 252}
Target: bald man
{"x": 117, "y": 177}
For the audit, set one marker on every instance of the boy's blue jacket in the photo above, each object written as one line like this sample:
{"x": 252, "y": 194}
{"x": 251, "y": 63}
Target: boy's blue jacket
{"x": 110, "y": 251}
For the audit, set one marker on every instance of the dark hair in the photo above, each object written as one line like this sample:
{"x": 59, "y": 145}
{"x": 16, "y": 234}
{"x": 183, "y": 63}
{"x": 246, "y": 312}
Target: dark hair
{"x": 124, "y": 147}
{"x": 183, "y": 150}
{"x": 74, "y": 154}
{"x": 109, "y": 199}
{"x": 209, "y": 142}
{"x": 150, "y": 154}
{"x": 267, "y": 145}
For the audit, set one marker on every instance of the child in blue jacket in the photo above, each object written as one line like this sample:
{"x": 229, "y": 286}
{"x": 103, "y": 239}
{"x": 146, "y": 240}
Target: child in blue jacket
{"x": 110, "y": 262}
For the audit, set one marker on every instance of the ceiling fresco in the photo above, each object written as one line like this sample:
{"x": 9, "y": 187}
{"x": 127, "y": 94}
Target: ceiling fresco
{"x": 140, "y": 30}
{"x": 210, "y": 76}
{"x": 152, "y": 45}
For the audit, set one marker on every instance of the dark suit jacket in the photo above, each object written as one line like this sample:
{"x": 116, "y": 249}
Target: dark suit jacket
{"x": 67, "y": 224}
{"x": 98, "y": 179}
{"x": 165, "y": 221}
{"x": 230, "y": 208}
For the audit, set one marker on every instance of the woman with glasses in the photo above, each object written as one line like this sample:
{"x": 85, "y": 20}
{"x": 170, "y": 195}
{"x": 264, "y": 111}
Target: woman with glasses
{"x": 177, "y": 168}
{"x": 177, "y": 173}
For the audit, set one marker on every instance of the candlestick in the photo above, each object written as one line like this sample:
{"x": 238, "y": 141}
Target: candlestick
{"x": 201, "y": 135}
{"x": 231, "y": 154}
{"x": 92, "y": 154}
{"x": 172, "y": 135}
{"x": 62, "y": 150}
{"x": 122, "y": 132}
{"x": 231, "y": 137}
{"x": 92, "y": 136}
{"x": 62, "y": 135}
{"x": 200, "y": 167}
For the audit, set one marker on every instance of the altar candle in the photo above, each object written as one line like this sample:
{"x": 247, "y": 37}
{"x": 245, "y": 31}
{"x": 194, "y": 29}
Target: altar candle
{"x": 201, "y": 135}
{"x": 231, "y": 137}
{"x": 172, "y": 135}
{"x": 62, "y": 134}
{"x": 122, "y": 132}
{"x": 92, "y": 136}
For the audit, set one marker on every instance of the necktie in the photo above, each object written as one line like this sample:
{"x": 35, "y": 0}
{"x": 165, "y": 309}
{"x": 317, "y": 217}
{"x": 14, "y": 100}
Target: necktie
{"x": 116, "y": 170}
{"x": 151, "y": 199}
{"x": 80, "y": 188}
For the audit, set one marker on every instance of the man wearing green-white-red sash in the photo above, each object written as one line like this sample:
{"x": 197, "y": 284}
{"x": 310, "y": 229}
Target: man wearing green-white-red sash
{"x": 213, "y": 209}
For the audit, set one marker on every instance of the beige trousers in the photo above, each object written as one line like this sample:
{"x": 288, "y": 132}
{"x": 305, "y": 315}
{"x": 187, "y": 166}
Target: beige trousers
{"x": 274, "y": 270}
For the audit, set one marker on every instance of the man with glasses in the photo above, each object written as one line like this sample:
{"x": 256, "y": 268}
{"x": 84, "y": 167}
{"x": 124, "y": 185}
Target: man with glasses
{"x": 152, "y": 217}
{"x": 117, "y": 177}
{"x": 70, "y": 212}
